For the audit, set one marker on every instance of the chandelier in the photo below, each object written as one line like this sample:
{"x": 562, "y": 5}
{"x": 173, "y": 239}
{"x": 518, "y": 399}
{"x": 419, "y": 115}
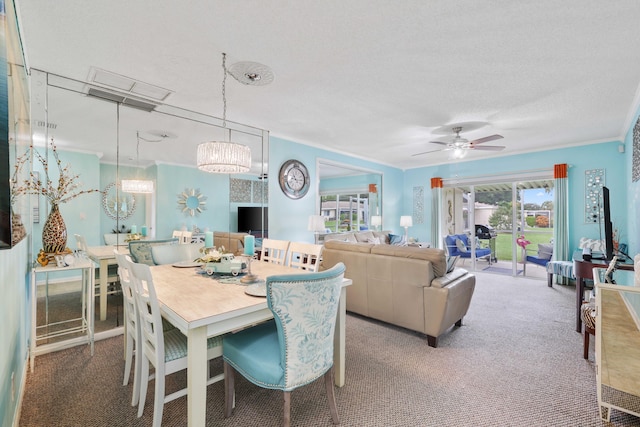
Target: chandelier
{"x": 223, "y": 156}
{"x": 137, "y": 185}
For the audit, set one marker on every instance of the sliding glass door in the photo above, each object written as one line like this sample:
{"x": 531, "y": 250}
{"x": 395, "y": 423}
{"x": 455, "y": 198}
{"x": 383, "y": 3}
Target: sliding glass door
{"x": 504, "y": 221}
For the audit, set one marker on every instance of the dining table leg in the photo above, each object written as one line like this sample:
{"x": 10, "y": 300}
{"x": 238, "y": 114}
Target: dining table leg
{"x": 197, "y": 376}
{"x": 103, "y": 276}
{"x": 339, "y": 339}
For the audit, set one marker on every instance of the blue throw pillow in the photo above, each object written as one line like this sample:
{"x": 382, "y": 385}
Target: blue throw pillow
{"x": 394, "y": 239}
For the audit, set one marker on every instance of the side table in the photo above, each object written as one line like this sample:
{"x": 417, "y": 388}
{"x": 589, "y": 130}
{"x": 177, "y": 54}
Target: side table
{"x": 83, "y": 324}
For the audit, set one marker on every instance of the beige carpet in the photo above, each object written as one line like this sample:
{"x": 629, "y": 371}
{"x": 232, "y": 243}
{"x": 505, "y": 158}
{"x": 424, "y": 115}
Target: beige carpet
{"x": 517, "y": 361}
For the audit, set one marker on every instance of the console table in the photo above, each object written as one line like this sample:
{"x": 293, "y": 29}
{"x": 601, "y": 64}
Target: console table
{"x": 583, "y": 270}
{"x": 48, "y": 330}
{"x": 617, "y": 343}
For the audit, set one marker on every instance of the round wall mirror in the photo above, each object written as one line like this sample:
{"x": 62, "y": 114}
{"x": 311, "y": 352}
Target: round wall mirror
{"x": 191, "y": 202}
{"x": 116, "y": 204}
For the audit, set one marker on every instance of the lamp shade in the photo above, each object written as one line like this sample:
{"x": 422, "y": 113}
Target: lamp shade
{"x": 316, "y": 223}
{"x": 137, "y": 186}
{"x": 223, "y": 157}
{"x": 406, "y": 221}
{"x": 376, "y": 220}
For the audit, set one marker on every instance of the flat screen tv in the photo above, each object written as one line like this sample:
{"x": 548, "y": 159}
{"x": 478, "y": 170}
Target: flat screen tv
{"x": 253, "y": 219}
{"x": 608, "y": 226}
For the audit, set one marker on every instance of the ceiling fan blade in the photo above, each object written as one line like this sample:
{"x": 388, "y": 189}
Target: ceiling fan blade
{"x": 486, "y": 139}
{"x": 438, "y": 142}
{"x": 487, "y": 147}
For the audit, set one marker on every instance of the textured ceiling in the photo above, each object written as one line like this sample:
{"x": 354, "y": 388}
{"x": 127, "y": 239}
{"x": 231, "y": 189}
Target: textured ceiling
{"x": 377, "y": 79}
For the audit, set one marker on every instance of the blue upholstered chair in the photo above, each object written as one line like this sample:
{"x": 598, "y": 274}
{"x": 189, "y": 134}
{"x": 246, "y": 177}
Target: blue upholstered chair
{"x": 463, "y": 249}
{"x": 140, "y": 250}
{"x": 295, "y": 348}
{"x": 170, "y": 254}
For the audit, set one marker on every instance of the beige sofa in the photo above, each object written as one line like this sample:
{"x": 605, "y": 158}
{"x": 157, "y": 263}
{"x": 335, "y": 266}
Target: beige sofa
{"x": 404, "y": 286}
{"x": 232, "y": 242}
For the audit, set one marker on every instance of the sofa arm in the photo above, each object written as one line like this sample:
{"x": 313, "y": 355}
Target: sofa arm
{"x": 449, "y": 278}
{"x": 447, "y": 305}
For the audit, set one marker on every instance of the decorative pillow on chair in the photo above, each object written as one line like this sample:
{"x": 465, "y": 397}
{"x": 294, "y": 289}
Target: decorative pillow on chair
{"x": 545, "y": 251}
{"x": 461, "y": 246}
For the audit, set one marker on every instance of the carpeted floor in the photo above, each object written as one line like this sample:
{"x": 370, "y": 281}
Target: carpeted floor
{"x": 500, "y": 270}
{"x": 516, "y": 361}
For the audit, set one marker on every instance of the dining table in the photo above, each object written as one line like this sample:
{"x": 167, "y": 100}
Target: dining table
{"x": 203, "y": 306}
{"x": 104, "y": 256}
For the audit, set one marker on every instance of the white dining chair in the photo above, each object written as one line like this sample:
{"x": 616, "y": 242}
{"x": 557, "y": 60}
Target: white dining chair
{"x": 274, "y": 251}
{"x": 132, "y": 326}
{"x": 186, "y": 237}
{"x": 165, "y": 350}
{"x": 305, "y": 256}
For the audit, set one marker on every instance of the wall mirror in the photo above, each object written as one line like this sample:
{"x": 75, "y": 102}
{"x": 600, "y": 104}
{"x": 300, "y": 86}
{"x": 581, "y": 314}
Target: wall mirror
{"x": 348, "y": 196}
{"x": 123, "y": 142}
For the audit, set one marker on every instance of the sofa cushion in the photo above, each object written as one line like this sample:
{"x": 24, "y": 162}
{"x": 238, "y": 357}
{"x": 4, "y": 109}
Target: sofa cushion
{"x": 436, "y": 256}
{"x": 349, "y": 247}
{"x": 364, "y": 236}
{"x": 443, "y": 281}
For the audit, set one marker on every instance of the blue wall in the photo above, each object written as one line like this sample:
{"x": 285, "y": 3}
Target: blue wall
{"x": 288, "y": 218}
{"x": 602, "y": 156}
{"x": 633, "y": 193}
{"x": 15, "y": 330}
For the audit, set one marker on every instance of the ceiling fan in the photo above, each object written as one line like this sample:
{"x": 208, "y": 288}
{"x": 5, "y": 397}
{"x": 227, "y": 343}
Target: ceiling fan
{"x": 460, "y": 145}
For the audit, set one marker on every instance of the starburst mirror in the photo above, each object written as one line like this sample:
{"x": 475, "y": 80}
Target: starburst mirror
{"x": 191, "y": 202}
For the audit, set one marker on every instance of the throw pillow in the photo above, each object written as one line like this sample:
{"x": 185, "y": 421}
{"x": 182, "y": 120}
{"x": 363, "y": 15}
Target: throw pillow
{"x": 545, "y": 251}
{"x": 396, "y": 240}
{"x": 451, "y": 263}
{"x": 461, "y": 246}
{"x": 375, "y": 240}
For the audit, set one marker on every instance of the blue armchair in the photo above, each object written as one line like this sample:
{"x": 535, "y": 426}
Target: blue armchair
{"x": 463, "y": 249}
{"x": 295, "y": 348}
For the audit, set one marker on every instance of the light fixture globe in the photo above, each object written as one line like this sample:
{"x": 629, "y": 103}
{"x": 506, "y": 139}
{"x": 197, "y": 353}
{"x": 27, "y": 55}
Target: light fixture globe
{"x": 223, "y": 157}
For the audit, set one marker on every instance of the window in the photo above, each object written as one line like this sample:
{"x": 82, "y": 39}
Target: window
{"x": 345, "y": 211}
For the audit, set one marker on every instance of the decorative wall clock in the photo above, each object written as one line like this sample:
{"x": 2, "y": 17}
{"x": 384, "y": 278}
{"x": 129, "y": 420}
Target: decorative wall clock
{"x": 294, "y": 179}
{"x": 191, "y": 202}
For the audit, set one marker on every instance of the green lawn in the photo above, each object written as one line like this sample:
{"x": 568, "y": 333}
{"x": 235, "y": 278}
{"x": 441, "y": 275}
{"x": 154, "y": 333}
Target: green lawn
{"x": 535, "y": 236}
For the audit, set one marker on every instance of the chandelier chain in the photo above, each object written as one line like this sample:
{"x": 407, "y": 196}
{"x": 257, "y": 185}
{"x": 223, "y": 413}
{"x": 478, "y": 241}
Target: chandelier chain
{"x": 224, "y": 90}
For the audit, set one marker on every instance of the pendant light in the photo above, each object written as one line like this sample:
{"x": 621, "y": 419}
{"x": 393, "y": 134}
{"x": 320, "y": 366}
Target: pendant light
{"x": 144, "y": 186}
{"x": 223, "y": 156}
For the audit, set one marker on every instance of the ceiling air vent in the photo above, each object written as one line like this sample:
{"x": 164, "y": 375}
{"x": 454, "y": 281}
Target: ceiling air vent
{"x": 122, "y": 99}
{"x": 125, "y": 90}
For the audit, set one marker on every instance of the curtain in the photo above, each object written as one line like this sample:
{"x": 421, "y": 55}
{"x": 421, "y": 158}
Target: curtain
{"x": 436, "y": 216}
{"x": 561, "y": 216}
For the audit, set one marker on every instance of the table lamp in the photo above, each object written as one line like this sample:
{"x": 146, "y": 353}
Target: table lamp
{"x": 406, "y": 221}
{"x": 376, "y": 221}
{"x": 316, "y": 224}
